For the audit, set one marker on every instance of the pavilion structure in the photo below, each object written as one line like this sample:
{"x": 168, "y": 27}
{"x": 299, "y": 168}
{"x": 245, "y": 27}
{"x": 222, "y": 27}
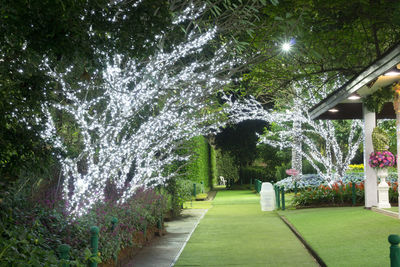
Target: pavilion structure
{"x": 346, "y": 103}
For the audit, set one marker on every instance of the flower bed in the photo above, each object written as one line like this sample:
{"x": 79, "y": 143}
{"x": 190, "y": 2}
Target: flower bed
{"x": 35, "y": 230}
{"x": 315, "y": 180}
{"x": 338, "y": 194}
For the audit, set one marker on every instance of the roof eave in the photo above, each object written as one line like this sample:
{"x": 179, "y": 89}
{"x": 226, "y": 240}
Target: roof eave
{"x": 373, "y": 71}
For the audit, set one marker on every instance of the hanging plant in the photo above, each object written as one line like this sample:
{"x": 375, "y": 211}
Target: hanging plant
{"x": 375, "y": 101}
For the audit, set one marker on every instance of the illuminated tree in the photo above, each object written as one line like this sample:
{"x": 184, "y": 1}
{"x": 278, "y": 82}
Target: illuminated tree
{"x": 131, "y": 123}
{"x": 296, "y": 123}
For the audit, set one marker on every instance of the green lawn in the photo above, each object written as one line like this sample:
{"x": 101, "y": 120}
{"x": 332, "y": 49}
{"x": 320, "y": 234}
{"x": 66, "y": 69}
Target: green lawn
{"x": 394, "y": 209}
{"x": 346, "y": 236}
{"x": 235, "y": 232}
{"x": 197, "y": 204}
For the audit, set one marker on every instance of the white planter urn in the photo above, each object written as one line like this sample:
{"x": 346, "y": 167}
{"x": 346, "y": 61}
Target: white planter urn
{"x": 383, "y": 189}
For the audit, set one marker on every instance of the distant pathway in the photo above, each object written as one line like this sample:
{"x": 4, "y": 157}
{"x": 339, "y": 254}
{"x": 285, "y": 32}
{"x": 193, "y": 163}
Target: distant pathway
{"x": 164, "y": 251}
{"x": 235, "y": 232}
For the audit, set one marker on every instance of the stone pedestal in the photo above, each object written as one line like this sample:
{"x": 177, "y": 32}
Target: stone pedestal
{"x": 383, "y": 189}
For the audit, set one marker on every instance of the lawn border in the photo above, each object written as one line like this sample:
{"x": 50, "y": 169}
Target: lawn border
{"x": 306, "y": 245}
{"x": 386, "y": 212}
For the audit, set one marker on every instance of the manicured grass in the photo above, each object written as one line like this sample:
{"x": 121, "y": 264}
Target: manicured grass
{"x": 197, "y": 204}
{"x": 235, "y": 232}
{"x": 394, "y": 209}
{"x": 346, "y": 236}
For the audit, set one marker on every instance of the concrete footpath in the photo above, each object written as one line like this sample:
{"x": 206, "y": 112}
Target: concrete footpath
{"x": 165, "y": 251}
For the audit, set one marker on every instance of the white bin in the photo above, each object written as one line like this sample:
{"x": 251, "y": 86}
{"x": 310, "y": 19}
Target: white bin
{"x": 267, "y": 195}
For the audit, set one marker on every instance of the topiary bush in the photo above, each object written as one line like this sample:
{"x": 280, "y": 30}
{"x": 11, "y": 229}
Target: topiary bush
{"x": 380, "y": 139}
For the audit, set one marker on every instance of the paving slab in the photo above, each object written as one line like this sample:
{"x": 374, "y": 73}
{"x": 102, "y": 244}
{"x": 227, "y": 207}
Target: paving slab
{"x": 164, "y": 251}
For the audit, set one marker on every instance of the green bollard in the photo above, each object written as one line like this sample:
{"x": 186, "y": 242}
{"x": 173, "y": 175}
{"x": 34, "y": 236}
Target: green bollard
{"x": 202, "y": 187}
{"x": 394, "y": 241}
{"x": 94, "y": 244}
{"x": 283, "y": 198}
{"x": 278, "y": 200}
{"x": 353, "y": 193}
{"x": 194, "y": 190}
{"x": 295, "y": 187}
{"x": 63, "y": 249}
{"x": 114, "y": 222}
{"x": 251, "y": 181}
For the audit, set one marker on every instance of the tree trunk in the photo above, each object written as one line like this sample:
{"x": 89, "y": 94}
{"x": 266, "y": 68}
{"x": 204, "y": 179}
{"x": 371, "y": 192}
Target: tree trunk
{"x": 297, "y": 163}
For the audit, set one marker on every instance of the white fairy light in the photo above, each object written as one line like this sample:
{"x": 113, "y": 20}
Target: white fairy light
{"x": 138, "y": 117}
{"x": 335, "y": 161}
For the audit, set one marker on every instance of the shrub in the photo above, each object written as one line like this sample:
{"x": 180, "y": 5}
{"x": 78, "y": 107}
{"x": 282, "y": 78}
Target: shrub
{"x": 254, "y": 172}
{"x": 227, "y": 166}
{"x": 143, "y": 209}
{"x": 356, "y": 168}
{"x": 30, "y": 233}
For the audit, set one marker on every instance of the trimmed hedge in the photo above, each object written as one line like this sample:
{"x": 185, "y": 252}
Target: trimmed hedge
{"x": 202, "y": 166}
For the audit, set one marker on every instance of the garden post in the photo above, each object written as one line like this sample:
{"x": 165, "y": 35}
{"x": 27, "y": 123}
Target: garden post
{"x": 94, "y": 244}
{"x": 202, "y": 187}
{"x": 394, "y": 241}
{"x": 114, "y": 222}
{"x": 63, "y": 249}
{"x": 353, "y": 193}
{"x": 283, "y": 198}
{"x": 194, "y": 190}
{"x": 295, "y": 187}
{"x": 278, "y": 202}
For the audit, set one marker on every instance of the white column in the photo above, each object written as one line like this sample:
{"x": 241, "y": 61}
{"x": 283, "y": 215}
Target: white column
{"x": 398, "y": 153}
{"x": 371, "y": 193}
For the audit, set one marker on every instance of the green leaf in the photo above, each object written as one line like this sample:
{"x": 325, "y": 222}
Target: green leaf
{"x": 274, "y": 2}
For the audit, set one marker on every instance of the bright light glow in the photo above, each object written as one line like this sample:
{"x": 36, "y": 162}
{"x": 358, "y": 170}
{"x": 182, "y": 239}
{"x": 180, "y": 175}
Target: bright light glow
{"x": 333, "y": 110}
{"x": 392, "y": 73}
{"x": 354, "y": 97}
{"x": 286, "y": 47}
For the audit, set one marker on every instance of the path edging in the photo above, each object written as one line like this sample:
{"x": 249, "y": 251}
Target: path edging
{"x": 308, "y": 247}
{"x": 187, "y": 239}
{"x": 386, "y": 212}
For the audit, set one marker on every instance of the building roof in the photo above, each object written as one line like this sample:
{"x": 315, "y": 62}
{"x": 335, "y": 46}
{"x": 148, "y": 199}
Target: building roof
{"x": 365, "y": 83}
